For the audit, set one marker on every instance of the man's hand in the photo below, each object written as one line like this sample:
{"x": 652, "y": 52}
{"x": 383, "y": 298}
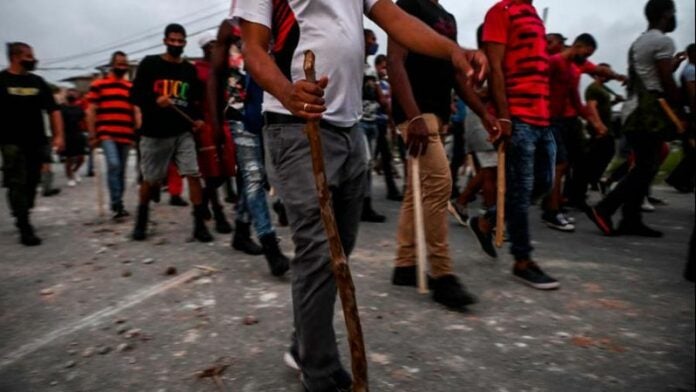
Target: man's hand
{"x": 493, "y": 126}
{"x": 164, "y": 101}
{"x": 198, "y": 125}
{"x": 306, "y": 99}
{"x": 462, "y": 68}
{"x": 94, "y": 142}
{"x": 58, "y": 144}
{"x": 601, "y": 130}
{"x": 479, "y": 61}
{"x": 418, "y": 136}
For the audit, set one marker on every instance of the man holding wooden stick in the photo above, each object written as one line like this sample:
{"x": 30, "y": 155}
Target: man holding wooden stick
{"x": 515, "y": 42}
{"x": 168, "y": 93}
{"x": 422, "y": 87}
{"x": 334, "y": 31}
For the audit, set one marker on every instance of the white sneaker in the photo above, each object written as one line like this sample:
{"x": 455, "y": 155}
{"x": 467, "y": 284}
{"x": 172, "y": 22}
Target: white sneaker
{"x": 77, "y": 178}
{"x": 647, "y": 206}
{"x": 72, "y": 183}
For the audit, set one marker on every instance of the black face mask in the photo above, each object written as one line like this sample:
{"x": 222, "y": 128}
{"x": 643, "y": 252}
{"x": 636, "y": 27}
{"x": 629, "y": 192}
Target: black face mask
{"x": 580, "y": 60}
{"x": 120, "y": 72}
{"x": 71, "y": 99}
{"x": 175, "y": 51}
{"x": 29, "y": 65}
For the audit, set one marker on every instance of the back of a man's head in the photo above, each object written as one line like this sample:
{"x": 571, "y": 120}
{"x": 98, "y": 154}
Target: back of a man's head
{"x": 586, "y": 40}
{"x": 691, "y": 52}
{"x": 656, "y": 9}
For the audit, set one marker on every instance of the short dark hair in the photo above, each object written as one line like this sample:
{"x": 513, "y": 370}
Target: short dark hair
{"x": 117, "y": 53}
{"x": 380, "y": 58}
{"x": 655, "y": 9}
{"x": 604, "y": 65}
{"x": 174, "y": 28}
{"x": 586, "y": 39}
{"x": 691, "y": 49}
{"x": 367, "y": 32}
{"x": 559, "y": 36}
{"x": 15, "y": 49}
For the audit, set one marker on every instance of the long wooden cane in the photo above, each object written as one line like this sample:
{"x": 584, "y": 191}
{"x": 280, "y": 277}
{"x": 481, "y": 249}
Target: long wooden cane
{"x": 98, "y": 175}
{"x": 421, "y": 251}
{"x": 500, "y": 204}
{"x": 341, "y": 270}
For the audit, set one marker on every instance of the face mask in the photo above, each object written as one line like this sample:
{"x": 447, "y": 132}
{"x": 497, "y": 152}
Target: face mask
{"x": 579, "y": 59}
{"x": 175, "y": 51}
{"x": 71, "y": 99}
{"x": 120, "y": 72}
{"x": 372, "y": 50}
{"x": 29, "y": 65}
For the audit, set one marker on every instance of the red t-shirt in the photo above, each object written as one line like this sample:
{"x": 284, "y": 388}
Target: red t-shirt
{"x": 516, "y": 24}
{"x": 565, "y": 86}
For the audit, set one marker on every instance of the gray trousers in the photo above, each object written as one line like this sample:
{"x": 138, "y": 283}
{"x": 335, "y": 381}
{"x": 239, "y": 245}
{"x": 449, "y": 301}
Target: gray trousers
{"x": 289, "y": 166}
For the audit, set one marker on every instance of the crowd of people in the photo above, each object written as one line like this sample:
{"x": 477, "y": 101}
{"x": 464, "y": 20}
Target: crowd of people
{"x": 235, "y": 119}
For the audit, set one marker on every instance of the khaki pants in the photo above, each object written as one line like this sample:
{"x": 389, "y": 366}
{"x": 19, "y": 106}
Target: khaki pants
{"x": 436, "y": 184}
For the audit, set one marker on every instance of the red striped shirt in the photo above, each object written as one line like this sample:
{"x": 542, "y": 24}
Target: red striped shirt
{"x": 516, "y": 24}
{"x": 115, "y": 112}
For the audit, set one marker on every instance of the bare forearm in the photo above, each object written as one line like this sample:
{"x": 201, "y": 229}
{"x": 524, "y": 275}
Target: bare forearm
{"x": 497, "y": 90}
{"x": 401, "y": 88}
{"x": 138, "y": 117}
{"x": 57, "y": 125}
{"x": 472, "y": 100}
{"x": 91, "y": 119}
{"x": 265, "y": 72}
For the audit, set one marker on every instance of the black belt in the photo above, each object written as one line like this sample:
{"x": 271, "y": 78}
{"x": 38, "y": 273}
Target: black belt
{"x": 277, "y": 118}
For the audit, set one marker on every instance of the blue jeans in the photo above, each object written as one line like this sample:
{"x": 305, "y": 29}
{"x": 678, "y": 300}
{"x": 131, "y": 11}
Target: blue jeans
{"x": 531, "y": 157}
{"x": 252, "y": 206}
{"x": 116, "y": 156}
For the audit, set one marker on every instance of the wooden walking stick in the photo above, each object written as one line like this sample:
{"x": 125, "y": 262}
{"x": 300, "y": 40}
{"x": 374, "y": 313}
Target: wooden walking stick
{"x": 421, "y": 251}
{"x": 341, "y": 270}
{"x": 99, "y": 182}
{"x": 500, "y": 204}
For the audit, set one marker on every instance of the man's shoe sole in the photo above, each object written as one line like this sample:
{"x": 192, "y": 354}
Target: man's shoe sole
{"x": 538, "y": 286}
{"x": 599, "y": 221}
{"x": 290, "y": 362}
{"x": 566, "y": 228}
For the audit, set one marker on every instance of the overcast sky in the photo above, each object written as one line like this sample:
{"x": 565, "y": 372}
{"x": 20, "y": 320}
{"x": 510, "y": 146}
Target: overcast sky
{"x": 79, "y": 28}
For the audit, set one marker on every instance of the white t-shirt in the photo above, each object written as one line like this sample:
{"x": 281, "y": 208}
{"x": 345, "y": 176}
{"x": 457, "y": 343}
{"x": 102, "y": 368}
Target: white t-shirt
{"x": 333, "y": 30}
{"x": 651, "y": 46}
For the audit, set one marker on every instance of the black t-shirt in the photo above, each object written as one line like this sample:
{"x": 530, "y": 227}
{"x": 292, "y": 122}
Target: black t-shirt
{"x": 179, "y": 81}
{"x": 432, "y": 80}
{"x": 23, "y": 98}
{"x": 73, "y": 117}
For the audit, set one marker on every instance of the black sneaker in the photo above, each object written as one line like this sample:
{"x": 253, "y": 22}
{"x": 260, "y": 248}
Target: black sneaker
{"x": 395, "y": 196}
{"x": 485, "y": 240}
{"x": 558, "y": 221}
{"x": 177, "y": 201}
{"x": 603, "y": 222}
{"x": 51, "y": 192}
{"x": 459, "y": 212}
{"x": 120, "y": 214}
{"x": 638, "y": 229}
{"x": 533, "y": 276}
{"x": 27, "y": 237}
{"x": 449, "y": 292}
{"x": 338, "y": 381}
{"x": 405, "y": 276}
